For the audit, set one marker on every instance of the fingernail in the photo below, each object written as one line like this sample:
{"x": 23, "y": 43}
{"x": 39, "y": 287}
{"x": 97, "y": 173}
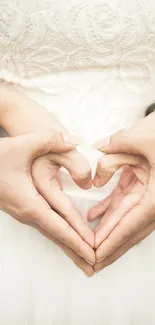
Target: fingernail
{"x": 102, "y": 143}
{"x": 97, "y": 181}
{"x": 99, "y": 270}
{"x": 88, "y": 274}
{"x": 88, "y": 185}
{"x": 72, "y": 140}
{"x": 88, "y": 254}
{"x": 100, "y": 257}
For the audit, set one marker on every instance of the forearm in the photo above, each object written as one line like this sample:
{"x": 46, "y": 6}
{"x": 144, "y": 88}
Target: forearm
{"x": 19, "y": 114}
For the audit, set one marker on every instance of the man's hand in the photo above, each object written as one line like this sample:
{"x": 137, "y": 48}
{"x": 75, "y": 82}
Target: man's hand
{"x": 128, "y": 214}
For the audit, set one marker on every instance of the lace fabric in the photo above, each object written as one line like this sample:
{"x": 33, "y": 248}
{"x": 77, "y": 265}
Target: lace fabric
{"x": 41, "y": 37}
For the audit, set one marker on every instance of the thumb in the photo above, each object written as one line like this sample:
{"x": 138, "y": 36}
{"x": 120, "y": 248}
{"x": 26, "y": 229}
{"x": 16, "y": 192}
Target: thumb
{"x": 123, "y": 141}
{"x": 109, "y": 164}
{"x": 37, "y": 144}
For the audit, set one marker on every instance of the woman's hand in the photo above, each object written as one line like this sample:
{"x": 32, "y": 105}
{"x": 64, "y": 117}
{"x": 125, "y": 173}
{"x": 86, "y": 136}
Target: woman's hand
{"x": 128, "y": 214}
{"x": 20, "y": 198}
{"x": 21, "y": 115}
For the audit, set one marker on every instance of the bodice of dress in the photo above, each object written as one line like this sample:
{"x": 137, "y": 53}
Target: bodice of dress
{"x": 41, "y": 37}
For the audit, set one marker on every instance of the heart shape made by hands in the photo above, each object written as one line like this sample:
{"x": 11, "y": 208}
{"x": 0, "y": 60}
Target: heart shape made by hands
{"x": 84, "y": 200}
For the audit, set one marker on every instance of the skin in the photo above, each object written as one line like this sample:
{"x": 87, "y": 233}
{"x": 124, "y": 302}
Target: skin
{"x": 20, "y": 115}
{"x": 128, "y": 214}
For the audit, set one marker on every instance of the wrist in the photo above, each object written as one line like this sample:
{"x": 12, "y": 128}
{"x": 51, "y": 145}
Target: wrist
{"x": 6, "y": 101}
{"x": 20, "y": 114}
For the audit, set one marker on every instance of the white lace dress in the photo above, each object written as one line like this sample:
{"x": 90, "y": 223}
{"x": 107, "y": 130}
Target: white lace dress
{"x": 92, "y": 63}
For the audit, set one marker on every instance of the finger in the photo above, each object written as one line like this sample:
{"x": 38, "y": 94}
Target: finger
{"x": 127, "y": 180}
{"x": 59, "y": 201}
{"x": 77, "y": 166}
{"x": 124, "y": 141}
{"x": 110, "y": 222}
{"x": 135, "y": 140}
{"x": 103, "y": 220}
{"x": 136, "y": 219}
{"x": 37, "y": 144}
{"x": 125, "y": 247}
{"x": 99, "y": 209}
{"x": 109, "y": 164}
{"x": 77, "y": 260}
{"x": 42, "y": 215}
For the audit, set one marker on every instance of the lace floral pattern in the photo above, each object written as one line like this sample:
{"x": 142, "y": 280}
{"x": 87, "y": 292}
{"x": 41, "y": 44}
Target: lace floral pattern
{"x": 49, "y": 36}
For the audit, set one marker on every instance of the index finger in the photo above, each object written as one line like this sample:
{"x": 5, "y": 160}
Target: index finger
{"x": 133, "y": 222}
{"x": 61, "y": 203}
{"x": 50, "y": 221}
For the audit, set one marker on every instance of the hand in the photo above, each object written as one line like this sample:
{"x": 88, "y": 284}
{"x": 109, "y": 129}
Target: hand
{"x": 19, "y": 197}
{"x": 21, "y": 115}
{"x": 128, "y": 214}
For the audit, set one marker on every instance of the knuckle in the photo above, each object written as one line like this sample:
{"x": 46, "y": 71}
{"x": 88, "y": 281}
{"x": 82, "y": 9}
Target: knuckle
{"x": 133, "y": 241}
{"x": 127, "y": 228}
{"x": 62, "y": 246}
{"x": 117, "y": 135}
{"x": 79, "y": 264}
{"x": 67, "y": 227}
{"x": 125, "y": 237}
{"x": 49, "y": 134}
{"x": 63, "y": 239}
{"x": 124, "y": 234}
{"x": 64, "y": 236}
{"x": 29, "y": 213}
{"x": 106, "y": 166}
{"x": 57, "y": 135}
{"x": 111, "y": 259}
{"x": 103, "y": 164}
{"x": 85, "y": 173}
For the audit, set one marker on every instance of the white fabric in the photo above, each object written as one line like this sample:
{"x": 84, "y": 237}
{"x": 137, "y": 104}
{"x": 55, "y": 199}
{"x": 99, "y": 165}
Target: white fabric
{"x": 92, "y": 63}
